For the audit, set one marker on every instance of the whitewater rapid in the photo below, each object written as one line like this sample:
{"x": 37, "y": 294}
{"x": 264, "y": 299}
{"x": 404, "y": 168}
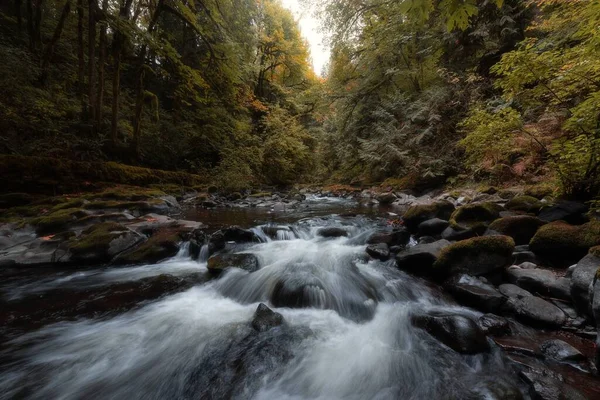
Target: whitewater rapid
{"x": 354, "y": 340}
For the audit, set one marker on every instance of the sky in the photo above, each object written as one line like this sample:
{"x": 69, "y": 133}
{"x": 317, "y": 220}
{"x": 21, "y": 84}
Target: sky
{"x": 310, "y": 30}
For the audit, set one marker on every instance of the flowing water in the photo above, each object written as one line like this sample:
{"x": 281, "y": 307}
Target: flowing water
{"x": 352, "y": 339}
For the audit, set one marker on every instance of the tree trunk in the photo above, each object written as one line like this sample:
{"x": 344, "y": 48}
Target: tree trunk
{"x": 55, "y": 37}
{"x": 37, "y": 24}
{"x": 116, "y": 81}
{"x": 18, "y": 4}
{"x": 101, "y": 61}
{"x": 80, "y": 60}
{"x": 139, "y": 105}
{"x": 91, "y": 59}
{"x": 30, "y": 32}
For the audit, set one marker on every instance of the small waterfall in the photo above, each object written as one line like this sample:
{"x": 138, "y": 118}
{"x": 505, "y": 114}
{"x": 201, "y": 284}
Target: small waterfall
{"x": 285, "y": 234}
{"x": 204, "y": 253}
{"x": 184, "y": 251}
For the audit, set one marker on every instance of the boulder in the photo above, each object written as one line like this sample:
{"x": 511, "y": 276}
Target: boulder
{"x": 582, "y": 279}
{"x": 161, "y": 245}
{"x": 571, "y": 212}
{"x": 266, "y": 319}
{"x": 239, "y": 235}
{"x": 521, "y": 227}
{"x": 560, "y": 245}
{"x": 379, "y": 251}
{"x": 422, "y": 212}
{"x": 475, "y": 214}
{"x": 522, "y": 257}
{"x": 471, "y": 292}
{"x": 458, "y": 332}
{"x": 102, "y": 242}
{"x": 535, "y": 311}
{"x": 510, "y": 290}
{"x": 476, "y": 256}
{"x": 495, "y": 325}
{"x": 562, "y": 351}
{"x": 543, "y": 387}
{"x": 386, "y": 198}
{"x": 432, "y": 227}
{"x": 420, "y": 259}
{"x": 542, "y": 281}
{"x": 454, "y": 234}
{"x": 397, "y": 237}
{"x": 525, "y": 203}
{"x": 332, "y": 232}
{"x": 218, "y": 263}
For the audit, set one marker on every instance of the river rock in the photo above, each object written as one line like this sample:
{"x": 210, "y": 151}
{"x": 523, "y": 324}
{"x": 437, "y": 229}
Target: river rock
{"x": 476, "y": 256}
{"x": 492, "y": 324}
{"x": 536, "y": 311}
{"x": 471, "y": 292}
{"x": 218, "y": 263}
{"x": 459, "y": 333}
{"x": 161, "y": 245}
{"x": 568, "y": 211}
{"x": 417, "y": 214}
{"x": 379, "y": 251}
{"x": 420, "y": 259}
{"x": 544, "y": 387}
{"x": 510, "y": 290}
{"x": 475, "y": 214}
{"x": 542, "y": 281}
{"x": 561, "y": 245}
{"x": 432, "y": 227}
{"x": 386, "y": 198}
{"x": 521, "y": 227}
{"x": 582, "y": 280}
{"x": 454, "y": 234}
{"x": 397, "y": 237}
{"x": 332, "y": 232}
{"x": 528, "y": 204}
{"x": 266, "y": 319}
{"x": 562, "y": 351}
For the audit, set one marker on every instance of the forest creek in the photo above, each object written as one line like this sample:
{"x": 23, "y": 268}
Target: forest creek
{"x": 190, "y": 210}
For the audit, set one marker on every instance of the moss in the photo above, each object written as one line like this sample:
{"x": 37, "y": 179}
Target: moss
{"x": 124, "y": 193}
{"x": 122, "y": 205}
{"x": 507, "y": 194}
{"x": 595, "y": 251}
{"x": 525, "y": 204}
{"x": 74, "y": 203}
{"x": 97, "y": 237}
{"x": 422, "y": 212}
{"x": 560, "y": 244}
{"x": 521, "y": 227}
{"x": 51, "y": 175}
{"x": 57, "y": 220}
{"x": 487, "y": 190}
{"x": 470, "y": 253}
{"x": 261, "y": 194}
{"x": 161, "y": 245}
{"x": 540, "y": 191}
{"x": 473, "y": 215}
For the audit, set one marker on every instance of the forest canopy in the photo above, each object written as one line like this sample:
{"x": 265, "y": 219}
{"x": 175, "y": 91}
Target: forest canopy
{"x": 417, "y": 93}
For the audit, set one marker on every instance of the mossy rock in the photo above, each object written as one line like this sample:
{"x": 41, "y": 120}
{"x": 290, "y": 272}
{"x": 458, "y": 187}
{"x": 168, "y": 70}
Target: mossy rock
{"x": 422, "y": 212}
{"x": 521, "y": 227}
{"x": 540, "y": 191}
{"x": 58, "y": 220}
{"x": 488, "y": 190}
{"x": 161, "y": 245}
{"x": 476, "y": 256}
{"x": 507, "y": 194}
{"x": 260, "y": 194}
{"x": 101, "y": 242}
{"x": 561, "y": 245}
{"x": 476, "y": 214}
{"x": 527, "y": 204}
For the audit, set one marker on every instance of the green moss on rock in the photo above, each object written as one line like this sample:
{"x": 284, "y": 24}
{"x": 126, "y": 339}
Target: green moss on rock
{"x": 476, "y": 256}
{"x": 96, "y": 237}
{"x": 422, "y": 212}
{"x": 521, "y": 227}
{"x": 560, "y": 244}
{"x": 541, "y": 191}
{"x": 524, "y": 204}
{"x": 162, "y": 244}
{"x": 474, "y": 215}
{"x": 57, "y": 221}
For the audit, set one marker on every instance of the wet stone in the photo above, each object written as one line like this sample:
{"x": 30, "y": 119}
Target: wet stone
{"x": 561, "y": 351}
{"x": 266, "y": 319}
